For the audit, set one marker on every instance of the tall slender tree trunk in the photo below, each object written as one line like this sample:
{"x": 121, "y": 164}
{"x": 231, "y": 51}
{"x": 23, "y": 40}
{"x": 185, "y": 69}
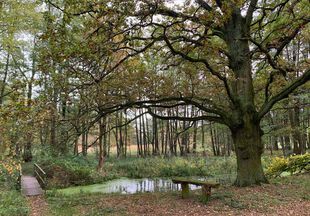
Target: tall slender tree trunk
{"x": 125, "y": 136}
{"x": 162, "y": 137}
{"x": 140, "y": 134}
{"x": 116, "y": 136}
{"x": 298, "y": 140}
{"x": 144, "y": 137}
{"x": 76, "y": 146}
{"x": 121, "y": 138}
{"x": 27, "y": 156}
{"x": 105, "y": 137}
{"x": 28, "y": 147}
{"x": 204, "y": 153}
{"x": 229, "y": 144}
{"x": 147, "y": 135}
{"x": 195, "y": 138}
{"x": 168, "y": 140}
{"x": 102, "y": 132}
{"x": 109, "y": 143}
{"x": 137, "y": 137}
{"x": 3, "y": 84}
{"x": 53, "y": 129}
{"x": 84, "y": 140}
{"x": 155, "y": 137}
{"x": 212, "y": 139}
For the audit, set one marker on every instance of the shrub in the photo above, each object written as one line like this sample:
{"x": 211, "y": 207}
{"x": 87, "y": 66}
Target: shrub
{"x": 299, "y": 163}
{"x": 11, "y": 201}
{"x": 278, "y": 165}
{"x": 63, "y": 172}
{"x": 293, "y": 164}
{"x": 10, "y": 173}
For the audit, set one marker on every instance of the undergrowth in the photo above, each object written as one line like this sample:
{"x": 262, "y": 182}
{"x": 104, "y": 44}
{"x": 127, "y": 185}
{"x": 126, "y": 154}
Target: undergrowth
{"x": 64, "y": 172}
{"x": 12, "y": 203}
{"x": 70, "y": 171}
{"x": 292, "y": 165}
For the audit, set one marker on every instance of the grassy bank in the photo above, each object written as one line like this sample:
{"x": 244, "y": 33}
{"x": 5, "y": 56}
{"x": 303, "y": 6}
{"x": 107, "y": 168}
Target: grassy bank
{"x": 284, "y": 196}
{"x": 71, "y": 171}
{"x": 175, "y": 166}
{"x": 64, "y": 172}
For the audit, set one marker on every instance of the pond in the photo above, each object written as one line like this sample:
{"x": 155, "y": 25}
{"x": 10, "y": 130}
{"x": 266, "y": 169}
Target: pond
{"x": 132, "y": 186}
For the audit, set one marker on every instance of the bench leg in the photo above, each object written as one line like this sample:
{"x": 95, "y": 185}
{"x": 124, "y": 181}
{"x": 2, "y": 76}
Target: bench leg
{"x": 206, "y": 191}
{"x": 185, "y": 190}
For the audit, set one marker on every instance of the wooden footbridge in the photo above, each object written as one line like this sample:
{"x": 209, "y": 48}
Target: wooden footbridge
{"x": 33, "y": 185}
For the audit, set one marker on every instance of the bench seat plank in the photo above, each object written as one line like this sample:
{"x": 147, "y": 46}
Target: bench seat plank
{"x": 195, "y": 182}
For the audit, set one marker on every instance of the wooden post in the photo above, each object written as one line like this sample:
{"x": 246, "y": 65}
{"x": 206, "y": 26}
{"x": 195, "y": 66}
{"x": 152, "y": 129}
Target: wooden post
{"x": 206, "y": 191}
{"x": 185, "y": 190}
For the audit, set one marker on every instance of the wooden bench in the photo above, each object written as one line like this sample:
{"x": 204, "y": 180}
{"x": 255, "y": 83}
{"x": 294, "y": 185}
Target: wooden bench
{"x": 206, "y": 186}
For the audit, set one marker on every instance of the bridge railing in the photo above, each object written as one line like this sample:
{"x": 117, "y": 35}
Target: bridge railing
{"x": 40, "y": 175}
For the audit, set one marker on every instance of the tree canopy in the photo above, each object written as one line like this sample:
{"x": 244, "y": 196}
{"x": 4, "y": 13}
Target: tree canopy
{"x": 228, "y": 62}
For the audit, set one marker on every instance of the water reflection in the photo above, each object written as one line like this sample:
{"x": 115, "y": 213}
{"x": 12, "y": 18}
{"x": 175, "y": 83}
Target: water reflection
{"x": 132, "y": 186}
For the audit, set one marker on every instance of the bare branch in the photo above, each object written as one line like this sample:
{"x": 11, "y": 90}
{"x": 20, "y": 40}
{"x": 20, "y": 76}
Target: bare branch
{"x": 284, "y": 93}
{"x": 270, "y": 60}
{"x": 199, "y": 60}
{"x": 287, "y": 39}
{"x": 204, "y": 4}
{"x": 251, "y": 9}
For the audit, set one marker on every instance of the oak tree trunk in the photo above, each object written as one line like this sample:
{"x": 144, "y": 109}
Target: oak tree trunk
{"x": 245, "y": 126}
{"x": 249, "y": 148}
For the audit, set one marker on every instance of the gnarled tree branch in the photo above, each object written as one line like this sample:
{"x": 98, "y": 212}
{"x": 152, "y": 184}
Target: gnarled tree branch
{"x": 283, "y": 94}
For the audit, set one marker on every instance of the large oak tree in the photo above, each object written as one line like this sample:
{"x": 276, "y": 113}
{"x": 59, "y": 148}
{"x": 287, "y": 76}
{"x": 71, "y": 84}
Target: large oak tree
{"x": 236, "y": 46}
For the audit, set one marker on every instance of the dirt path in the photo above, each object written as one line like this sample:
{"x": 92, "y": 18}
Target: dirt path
{"x": 38, "y": 205}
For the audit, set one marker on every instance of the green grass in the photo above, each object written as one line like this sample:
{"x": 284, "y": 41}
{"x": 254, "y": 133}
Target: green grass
{"x": 301, "y": 182}
{"x": 12, "y": 203}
